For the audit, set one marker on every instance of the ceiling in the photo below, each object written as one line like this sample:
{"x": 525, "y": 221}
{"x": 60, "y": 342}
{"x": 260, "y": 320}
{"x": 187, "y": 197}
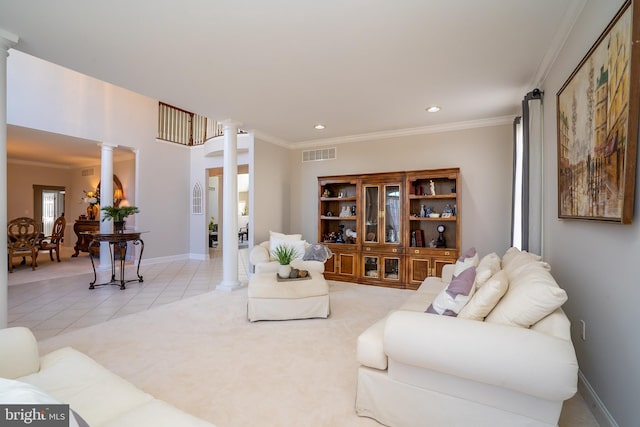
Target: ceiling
{"x": 361, "y": 67}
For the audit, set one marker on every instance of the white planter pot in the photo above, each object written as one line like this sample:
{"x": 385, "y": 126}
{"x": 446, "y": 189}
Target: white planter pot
{"x": 284, "y": 271}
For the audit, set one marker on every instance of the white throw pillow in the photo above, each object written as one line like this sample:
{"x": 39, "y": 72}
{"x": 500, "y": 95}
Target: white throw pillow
{"x": 297, "y": 245}
{"x": 276, "y": 239}
{"x": 532, "y": 295}
{"x": 282, "y": 236}
{"x": 488, "y": 266}
{"x": 486, "y": 297}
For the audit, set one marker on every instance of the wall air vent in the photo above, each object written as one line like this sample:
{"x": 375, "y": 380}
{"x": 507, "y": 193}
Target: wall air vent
{"x": 318, "y": 155}
{"x": 87, "y": 172}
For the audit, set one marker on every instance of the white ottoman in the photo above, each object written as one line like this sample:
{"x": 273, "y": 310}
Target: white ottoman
{"x": 270, "y": 299}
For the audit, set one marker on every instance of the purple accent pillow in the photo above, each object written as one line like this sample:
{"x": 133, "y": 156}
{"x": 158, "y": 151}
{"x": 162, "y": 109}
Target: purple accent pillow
{"x": 461, "y": 284}
{"x": 469, "y": 253}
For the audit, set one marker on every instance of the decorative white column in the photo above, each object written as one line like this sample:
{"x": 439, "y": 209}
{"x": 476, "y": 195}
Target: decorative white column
{"x": 230, "y": 280}
{"x": 7, "y": 40}
{"x": 106, "y": 199}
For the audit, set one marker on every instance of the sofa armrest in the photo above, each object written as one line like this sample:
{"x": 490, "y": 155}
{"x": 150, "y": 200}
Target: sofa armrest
{"x": 504, "y": 356}
{"x": 259, "y": 253}
{"x": 19, "y": 354}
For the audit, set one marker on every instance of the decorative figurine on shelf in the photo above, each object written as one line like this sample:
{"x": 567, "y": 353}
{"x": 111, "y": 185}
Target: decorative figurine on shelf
{"x": 428, "y": 212}
{"x": 346, "y": 211}
{"x": 447, "y": 209}
{"x": 432, "y": 187}
{"x": 326, "y": 193}
{"x": 351, "y": 235}
{"x": 353, "y": 210}
{"x": 340, "y": 234}
{"x": 391, "y": 235}
{"x": 423, "y": 211}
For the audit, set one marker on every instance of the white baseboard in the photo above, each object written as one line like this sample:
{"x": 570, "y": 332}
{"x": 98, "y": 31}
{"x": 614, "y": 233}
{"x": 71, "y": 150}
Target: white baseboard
{"x": 163, "y": 259}
{"x": 199, "y": 257}
{"x": 599, "y": 411}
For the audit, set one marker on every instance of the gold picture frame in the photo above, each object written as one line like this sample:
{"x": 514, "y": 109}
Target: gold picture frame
{"x": 597, "y": 119}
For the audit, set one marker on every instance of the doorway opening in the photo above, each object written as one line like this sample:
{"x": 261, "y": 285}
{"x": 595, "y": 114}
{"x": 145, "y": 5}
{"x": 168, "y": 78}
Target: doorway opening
{"x": 214, "y": 207}
{"x": 48, "y": 204}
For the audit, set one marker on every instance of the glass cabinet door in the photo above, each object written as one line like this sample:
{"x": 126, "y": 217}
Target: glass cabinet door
{"x": 371, "y": 266}
{"x": 392, "y": 214}
{"x": 392, "y": 268}
{"x": 371, "y": 202}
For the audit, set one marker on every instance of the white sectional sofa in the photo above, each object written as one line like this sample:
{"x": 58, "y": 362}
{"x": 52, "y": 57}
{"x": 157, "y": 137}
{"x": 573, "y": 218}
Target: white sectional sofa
{"x": 506, "y": 360}
{"x": 100, "y": 397}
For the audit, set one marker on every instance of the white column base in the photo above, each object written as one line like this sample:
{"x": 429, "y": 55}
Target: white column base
{"x": 229, "y": 285}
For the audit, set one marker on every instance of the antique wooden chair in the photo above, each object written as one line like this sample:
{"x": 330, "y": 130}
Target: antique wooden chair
{"x": 52, "y": 243}
{"x": 22, "y": 240}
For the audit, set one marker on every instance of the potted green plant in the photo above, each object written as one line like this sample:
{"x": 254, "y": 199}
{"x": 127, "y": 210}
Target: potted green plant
{"x": 118, "y": 214}
{"x": 284, "y": 254}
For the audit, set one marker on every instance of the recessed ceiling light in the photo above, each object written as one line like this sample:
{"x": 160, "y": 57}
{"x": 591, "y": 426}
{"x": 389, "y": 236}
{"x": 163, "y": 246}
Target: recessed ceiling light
{"x": 433, "y": 109}
{"x": 319, "y": 126}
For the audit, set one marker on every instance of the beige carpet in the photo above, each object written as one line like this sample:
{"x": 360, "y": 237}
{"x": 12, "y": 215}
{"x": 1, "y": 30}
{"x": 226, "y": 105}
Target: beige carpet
{"x": 203, "y": 356}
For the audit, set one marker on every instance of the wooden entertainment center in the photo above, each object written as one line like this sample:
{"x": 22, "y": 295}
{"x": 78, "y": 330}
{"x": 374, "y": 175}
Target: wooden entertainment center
{"x": 390, "y": 229}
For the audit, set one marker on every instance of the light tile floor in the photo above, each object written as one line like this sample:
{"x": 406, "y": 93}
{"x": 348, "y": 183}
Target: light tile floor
{"x": 56, "y": 298}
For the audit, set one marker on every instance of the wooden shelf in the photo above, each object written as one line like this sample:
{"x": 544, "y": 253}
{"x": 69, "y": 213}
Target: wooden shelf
{"x": 437, "y": 196}
{"x": 338, "y": 199}
{"x": 417, "y": 218}
{"x": 343, "y": 218}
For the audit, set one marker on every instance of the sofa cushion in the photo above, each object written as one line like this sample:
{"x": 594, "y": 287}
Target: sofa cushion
{"x": 96, "y": 393}
{"x": 487, "y": 267}
{"x": 14, "y": 392}
{"x": 450, "y": 301}
{"x": 533, "y": 294}
{"x": 514, "y": 259}
{"x": 486, "y": 297}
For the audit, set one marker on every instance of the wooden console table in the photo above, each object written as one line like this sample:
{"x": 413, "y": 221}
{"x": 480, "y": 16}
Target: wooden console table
{"x": 117, "y": 245}
{"x": 83, "y": 239}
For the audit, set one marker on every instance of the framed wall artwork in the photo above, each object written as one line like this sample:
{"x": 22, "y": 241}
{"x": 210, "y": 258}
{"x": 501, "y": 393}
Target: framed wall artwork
{"x": 597, "y": 120}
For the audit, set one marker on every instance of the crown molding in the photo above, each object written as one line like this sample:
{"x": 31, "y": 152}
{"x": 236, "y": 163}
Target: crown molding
{"x": 447, "y": 127}
{"x": 39, "y": 164}
{"x": 560, "y": 37}
{"x": 272, "y": 139}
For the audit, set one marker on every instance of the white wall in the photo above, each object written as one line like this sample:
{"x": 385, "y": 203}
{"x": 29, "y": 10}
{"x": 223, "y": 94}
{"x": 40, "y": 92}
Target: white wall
{"x": 44, "y": 96}
{"x": 596, "y": 262}
{"x": 484, "y": 156}
{"x": 20, "y": 181}
{"x": 271, "y": 197}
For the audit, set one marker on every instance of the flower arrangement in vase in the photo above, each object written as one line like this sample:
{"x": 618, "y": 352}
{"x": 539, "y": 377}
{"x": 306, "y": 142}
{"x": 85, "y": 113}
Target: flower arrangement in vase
{"x": 93, "y": 199}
